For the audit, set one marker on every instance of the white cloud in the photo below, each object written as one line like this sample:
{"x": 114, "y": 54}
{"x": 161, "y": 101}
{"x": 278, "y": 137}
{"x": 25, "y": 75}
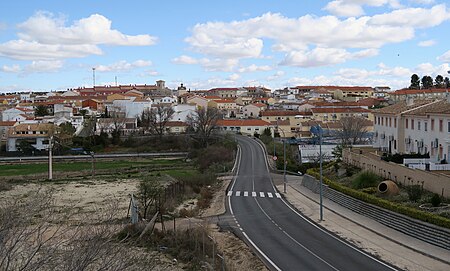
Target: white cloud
{"x": 445, "y": 57}
{"x": 123, "y": 66}
{"x": 26, "y": 50}
{"x": 234, "y": 77}
{"x": 184, "y": 59}
{"x": 343, "y": 9}
{"x": 353, "y": 8}
{"x": 423, "y": 2}
{"x": 413, "y": 17}
{"x": 254, "y": 68}
{"x": 44, "y": 28}
{"x": 44, "y": 37}
{"x": 430, "y": 69}
{"x": 276, "y": 76}
{"x": 11, "y": 69}
{"x": 43, "y": 66}
{"x": 324, "y": 57}
{"x": 217, "y": 64}
{"x": 427, "y": 43}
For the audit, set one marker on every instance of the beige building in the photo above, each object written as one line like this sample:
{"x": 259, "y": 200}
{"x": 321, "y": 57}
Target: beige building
{"x": 325, "y": 114}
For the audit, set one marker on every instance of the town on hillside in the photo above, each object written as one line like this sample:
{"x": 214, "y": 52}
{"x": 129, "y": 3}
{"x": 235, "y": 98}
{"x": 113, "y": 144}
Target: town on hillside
{"x": 410, "y": 120}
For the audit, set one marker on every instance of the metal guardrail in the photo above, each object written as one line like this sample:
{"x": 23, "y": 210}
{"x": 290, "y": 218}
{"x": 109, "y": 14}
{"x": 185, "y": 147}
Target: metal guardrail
{"x": 84, "y": 157}
{"x": 426, "y": 232}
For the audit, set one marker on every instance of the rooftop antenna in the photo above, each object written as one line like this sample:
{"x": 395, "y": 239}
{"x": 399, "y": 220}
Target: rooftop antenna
{"x": 116, "y": 80}
{"x": 93, "y": 77}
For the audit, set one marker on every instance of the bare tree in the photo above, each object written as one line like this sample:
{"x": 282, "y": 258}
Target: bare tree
{"x": 353, "y": 130}
{"x": 204, "y": 122}
{"x": 155, "y": 119}
{"x": 36, "y": 235}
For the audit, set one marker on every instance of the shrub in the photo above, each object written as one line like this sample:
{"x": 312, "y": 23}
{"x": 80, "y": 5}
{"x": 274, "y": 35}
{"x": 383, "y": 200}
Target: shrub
{"x": 435, "y": 200}
{"x": 366, "y": 179}
{"x": 411, "y": 212}
{"x": 414, "y": 192}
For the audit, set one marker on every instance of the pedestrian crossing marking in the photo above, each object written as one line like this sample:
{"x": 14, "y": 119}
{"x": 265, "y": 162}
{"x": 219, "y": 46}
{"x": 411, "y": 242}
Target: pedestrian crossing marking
{"x": 254, "y": 194}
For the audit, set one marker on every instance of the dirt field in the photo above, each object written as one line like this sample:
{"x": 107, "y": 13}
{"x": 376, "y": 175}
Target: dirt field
{"x": 91, "y": 197}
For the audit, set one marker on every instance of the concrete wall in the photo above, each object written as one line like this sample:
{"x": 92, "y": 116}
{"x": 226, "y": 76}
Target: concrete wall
{"x": 434, "y": 182}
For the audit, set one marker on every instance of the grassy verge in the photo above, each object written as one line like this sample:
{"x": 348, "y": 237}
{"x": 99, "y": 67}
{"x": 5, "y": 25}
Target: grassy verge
{"x": 386, "y": 204}
{"x": 29, "y": 169}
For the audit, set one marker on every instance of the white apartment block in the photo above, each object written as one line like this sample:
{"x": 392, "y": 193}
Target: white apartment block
{"x": 414, "y": 127}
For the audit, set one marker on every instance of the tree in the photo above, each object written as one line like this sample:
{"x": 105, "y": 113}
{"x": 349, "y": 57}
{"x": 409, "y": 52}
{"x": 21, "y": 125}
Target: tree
{"x": 415, "y": 82}
{"x": 149, "y": 191}
{"x": 439, "y": 81}
{"x": 204, "y": 122}
{"x": 66, "y": 128}
{"x": 353, "y": 130}
{"x": 447, "y": 82}
{"x": 41, "y": 110}
{"x": 25, "y": 147}
{"x": 427, "y": 82}
{"x": 36, "y": 235}
{"x": 156, "y": 118}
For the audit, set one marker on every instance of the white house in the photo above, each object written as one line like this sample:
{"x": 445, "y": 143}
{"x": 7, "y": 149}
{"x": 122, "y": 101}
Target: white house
{"x": 421, "y": 126}
{"x": 130, "y": 108}
{"x": 37, "y": 135}
{"x": 253, "y": 110}
{"x": 182, "y": 111}
{"x": 16, "y": 114}
{"x": 244, "y": 126}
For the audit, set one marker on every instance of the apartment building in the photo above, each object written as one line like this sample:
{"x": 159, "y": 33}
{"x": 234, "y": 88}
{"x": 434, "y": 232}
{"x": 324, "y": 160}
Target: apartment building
{"x": 414, "y": 126}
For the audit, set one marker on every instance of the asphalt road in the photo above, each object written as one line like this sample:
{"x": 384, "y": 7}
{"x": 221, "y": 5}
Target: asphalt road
{"x": 280, "y": 236}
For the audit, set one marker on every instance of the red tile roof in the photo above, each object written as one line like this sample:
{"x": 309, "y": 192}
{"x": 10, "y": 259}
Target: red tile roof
{"x": 343, "y": 88}
{"x": 283, "y": 113}
{"x": 7, "y": 123}
{"x": 339, "y": 110}
{"x": 418, "y": 91}
{"x": 243, "y": 122}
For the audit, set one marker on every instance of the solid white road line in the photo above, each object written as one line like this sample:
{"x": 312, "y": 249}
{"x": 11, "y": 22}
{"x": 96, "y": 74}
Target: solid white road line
{"x": 230, "y": 193}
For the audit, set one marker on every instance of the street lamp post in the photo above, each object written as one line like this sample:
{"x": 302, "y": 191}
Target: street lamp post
{"x": 320, "y": 153}
{"x": 284, "y": 173}
{"x": 318, "y": 130}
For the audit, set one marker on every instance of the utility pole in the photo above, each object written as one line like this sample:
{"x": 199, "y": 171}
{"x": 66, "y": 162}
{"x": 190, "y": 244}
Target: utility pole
{"x": 50, "y": 159}
{"x": 284, "y": 174}
{"x": 93, "y": 77}
{"x": 93, "y": 163}
{"x": 320, "y": 153}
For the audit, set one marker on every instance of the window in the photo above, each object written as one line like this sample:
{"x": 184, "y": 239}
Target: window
{"x": 441, "y": 125}
{"x": 412, "y": 124}
{"x": 406, "y": 123}
{"x": 390, "y": 122}
{"x": 425, "y": 126}
{"x": 448, "y": 126}
{"x": 418, "y": 125}
{"x": 382, "y": 121}
{"x": 395, "y": 123}
{"x": 432, "y": 124}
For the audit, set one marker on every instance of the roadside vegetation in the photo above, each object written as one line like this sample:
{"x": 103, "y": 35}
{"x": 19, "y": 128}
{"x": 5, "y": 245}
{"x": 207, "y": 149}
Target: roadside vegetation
{"x": 363, "y": 185}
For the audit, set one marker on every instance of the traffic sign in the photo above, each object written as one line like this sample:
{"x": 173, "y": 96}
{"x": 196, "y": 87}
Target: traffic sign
{"x": 274, "y": 158}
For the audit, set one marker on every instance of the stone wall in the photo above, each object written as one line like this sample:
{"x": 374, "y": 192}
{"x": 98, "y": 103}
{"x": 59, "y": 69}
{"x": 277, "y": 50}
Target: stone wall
{"x": 434, "y": 182}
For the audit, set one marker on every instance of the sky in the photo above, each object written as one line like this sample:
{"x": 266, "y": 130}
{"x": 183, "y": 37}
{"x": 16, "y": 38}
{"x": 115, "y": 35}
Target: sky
{"x": 52, "y": 45}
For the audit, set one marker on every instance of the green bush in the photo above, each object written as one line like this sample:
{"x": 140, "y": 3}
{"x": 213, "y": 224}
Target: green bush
{"x": 414, "y": 192}
{"x": 435, "y": 200}
{"x": 411, "y": 212}
{"x": 366, "y": 179}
